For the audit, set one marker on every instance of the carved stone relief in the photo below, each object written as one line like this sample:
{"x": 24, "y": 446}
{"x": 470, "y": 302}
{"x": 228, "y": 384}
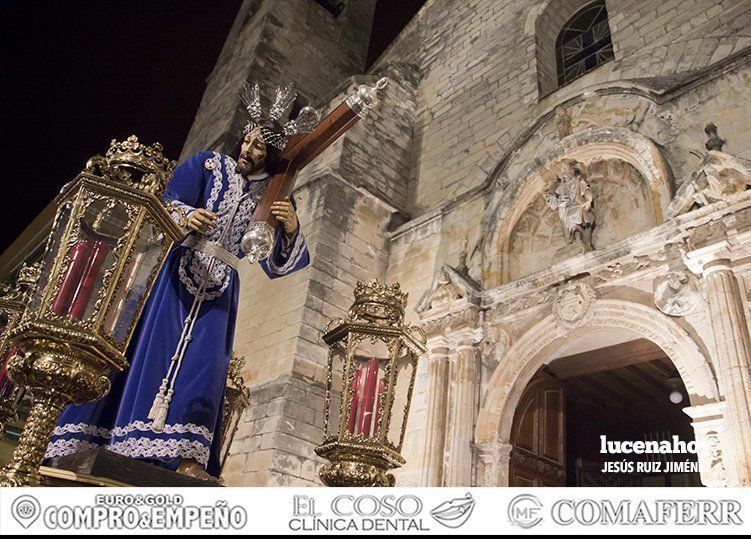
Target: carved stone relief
{"x": 562, "y": 122}
{"x": 538, "y": 235}
{"x": 527, "y": 301}
{"x": 677, "y": 293}
{"x": 626, "y": 266}
{"x": 718, "y": 177}
{"x": 495, "y": 341}
{"x": 571, "y": 197}
{"x": 660, "y": 128}
{"x": 574, "y": 304}
{"x": 445, "y": 292}
{"x": 717, "y": 471}
{"x": 622, "y": 204}
{"x": 621, "y": 207}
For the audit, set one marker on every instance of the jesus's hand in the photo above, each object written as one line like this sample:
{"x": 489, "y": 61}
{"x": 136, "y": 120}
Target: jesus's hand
{"x": 285, "y": 213}
{"x": 201, "y": 220}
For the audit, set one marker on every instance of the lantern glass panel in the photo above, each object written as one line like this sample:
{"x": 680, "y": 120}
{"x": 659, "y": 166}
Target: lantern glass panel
{"x": 367, "y": 388}
{"x": 405, "y": 370}
{"x": 335, "y": 381}
{"x": 142, "y": 263}
{"x": 59, "y": 228}
{"x": 91, "y": 256}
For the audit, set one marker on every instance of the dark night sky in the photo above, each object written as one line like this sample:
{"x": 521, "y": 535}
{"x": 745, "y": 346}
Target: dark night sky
{"x": 77, "y": 73}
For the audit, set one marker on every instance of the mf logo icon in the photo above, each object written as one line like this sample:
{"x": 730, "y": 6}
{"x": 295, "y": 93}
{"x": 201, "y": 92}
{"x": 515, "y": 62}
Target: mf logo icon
{"x": 525, "y": 511}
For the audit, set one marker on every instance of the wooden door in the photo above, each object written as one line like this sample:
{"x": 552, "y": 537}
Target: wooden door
{"x": 538, "y": 435}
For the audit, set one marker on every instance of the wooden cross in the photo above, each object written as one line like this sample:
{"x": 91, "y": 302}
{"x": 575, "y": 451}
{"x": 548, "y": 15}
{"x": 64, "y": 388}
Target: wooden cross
{"x": 302, "y": 149}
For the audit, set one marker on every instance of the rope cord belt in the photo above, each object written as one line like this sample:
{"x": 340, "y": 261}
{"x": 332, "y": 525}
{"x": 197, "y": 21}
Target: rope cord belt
{"x": 160, "y": 407}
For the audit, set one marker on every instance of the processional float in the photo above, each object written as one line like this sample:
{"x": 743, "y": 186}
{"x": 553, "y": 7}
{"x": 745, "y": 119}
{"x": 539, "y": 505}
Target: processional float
{"x": 109, "y": 239}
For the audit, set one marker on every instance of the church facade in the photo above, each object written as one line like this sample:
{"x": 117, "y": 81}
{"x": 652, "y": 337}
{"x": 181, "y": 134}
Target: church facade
{"x": 561, "y": 187}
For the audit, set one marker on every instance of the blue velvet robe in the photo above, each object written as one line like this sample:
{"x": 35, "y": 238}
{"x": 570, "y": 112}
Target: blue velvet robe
{"x": 120, "y": 421}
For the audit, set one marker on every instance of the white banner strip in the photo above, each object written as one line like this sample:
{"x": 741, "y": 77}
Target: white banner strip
{"x": 277, "y": 511}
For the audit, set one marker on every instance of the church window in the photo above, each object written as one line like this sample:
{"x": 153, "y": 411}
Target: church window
{"x": 332, "y": 6}
{"x": 584, "y": 43}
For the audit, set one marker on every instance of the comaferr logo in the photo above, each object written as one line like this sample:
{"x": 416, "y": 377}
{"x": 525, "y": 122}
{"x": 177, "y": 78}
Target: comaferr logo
{"x": 525, "y": 511}
{"x": 645, "y": 512}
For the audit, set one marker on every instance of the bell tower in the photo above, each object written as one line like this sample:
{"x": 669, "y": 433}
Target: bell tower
{"x": 314, "y": 44}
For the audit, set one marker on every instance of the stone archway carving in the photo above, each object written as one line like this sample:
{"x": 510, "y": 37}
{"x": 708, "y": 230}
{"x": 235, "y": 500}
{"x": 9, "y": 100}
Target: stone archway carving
{"x": 530, "y": 181}
{"x": 538, "y": 345}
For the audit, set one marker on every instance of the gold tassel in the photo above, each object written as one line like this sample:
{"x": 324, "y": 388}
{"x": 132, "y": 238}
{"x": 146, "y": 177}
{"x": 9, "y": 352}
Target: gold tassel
{"x": 158, "y": 400}
{"x": 160, "y": 417}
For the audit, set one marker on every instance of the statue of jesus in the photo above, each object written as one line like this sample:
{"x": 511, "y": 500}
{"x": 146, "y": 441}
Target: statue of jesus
{"x": 167, "y": 406}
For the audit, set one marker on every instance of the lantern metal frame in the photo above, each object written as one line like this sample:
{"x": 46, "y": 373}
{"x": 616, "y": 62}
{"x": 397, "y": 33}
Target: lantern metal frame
{"x": 65, "y": 359}
{"x": 236, "y": 399}
{"x": 13, "y": 304}
{"x": 358, "y": 459}
{"x": 87, "y": 334}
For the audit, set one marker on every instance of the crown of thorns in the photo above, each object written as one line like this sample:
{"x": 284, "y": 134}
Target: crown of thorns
{"x": 305, "y": 122}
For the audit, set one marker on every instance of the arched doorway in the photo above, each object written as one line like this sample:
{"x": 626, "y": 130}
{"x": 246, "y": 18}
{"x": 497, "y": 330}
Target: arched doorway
{"x": 575, "y": 407}
{"x": 549, "y": 340}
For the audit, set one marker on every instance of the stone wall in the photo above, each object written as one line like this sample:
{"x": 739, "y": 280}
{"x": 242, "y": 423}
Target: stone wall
{"x": 480, "y": 73}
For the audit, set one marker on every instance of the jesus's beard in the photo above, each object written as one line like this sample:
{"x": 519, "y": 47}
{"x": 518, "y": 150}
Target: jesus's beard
{"x": 246, "y": 167}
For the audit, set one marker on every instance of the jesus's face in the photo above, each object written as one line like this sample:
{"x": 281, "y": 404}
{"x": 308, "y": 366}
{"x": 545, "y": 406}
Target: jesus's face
{"x": 252, "y": 156}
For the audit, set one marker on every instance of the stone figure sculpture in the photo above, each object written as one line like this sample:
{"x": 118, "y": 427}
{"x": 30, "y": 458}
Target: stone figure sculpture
{"x": 572, "y": 198}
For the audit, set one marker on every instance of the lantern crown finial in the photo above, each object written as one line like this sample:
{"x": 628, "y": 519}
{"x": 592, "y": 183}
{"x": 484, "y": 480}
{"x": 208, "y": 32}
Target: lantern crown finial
{"x": 22, "y": 288}
{"x": 153, "y": 170}
{"x": 379, "y": 302}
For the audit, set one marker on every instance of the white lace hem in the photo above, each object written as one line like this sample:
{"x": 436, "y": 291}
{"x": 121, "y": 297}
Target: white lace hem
{"x": 147, "y": 448}
{"x": 142, "y": 426}
{"x": 139, "y": 448}
{"x": 60, "y": 448}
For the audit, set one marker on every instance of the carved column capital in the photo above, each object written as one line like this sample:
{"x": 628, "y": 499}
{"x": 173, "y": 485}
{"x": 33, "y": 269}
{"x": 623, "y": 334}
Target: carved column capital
{"x": 466, "y": 338}
{"x": 436, "y": 326}
{"x": 712, "y": 439}
{"x": 716, "y": 265}
{"x": 493, "y": 459}
{"x": 467, "y": 320}
{"x": 438, "y": 345}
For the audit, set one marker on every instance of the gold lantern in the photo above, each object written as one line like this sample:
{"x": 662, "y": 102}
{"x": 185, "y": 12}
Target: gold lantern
{"x": 371, "y": 373}
{"x": 109, "y": 239}
{"x": 236, "y": 399}
{"x": 12, "y": 306}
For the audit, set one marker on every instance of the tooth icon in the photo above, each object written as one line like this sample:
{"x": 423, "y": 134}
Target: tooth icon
{"x": 454, "y": 513}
